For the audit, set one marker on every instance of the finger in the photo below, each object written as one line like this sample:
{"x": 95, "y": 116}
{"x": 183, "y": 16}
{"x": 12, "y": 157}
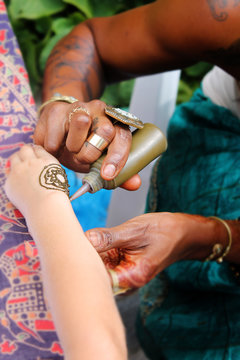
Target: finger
{"x": 39, "y": 132}
{"x": 132, "y": 184}
{"x": 26, "y": 152}
{"x": 41, "y": 153}
{"x": 105, "y": 131}
{"x": 15, "y": 159}
{"x": 67, "y": 159}
{"x": 118, "y": 152}
{"x": 55, "y": 128}
{"x": 104, "y": 239}
{"x": 79, "y": 124}
{"x": 131, "y": 234}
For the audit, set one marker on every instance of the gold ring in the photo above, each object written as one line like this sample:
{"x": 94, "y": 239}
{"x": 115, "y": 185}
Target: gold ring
{"x": 97, "y": 141}
{"x": 77, "y": 109}
{"x": 115, "y": 284}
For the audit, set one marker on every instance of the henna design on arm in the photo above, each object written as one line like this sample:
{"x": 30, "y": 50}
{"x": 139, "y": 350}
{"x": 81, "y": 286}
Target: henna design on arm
{"x": 219, "y": 8}
{"x": 53, "y": 177}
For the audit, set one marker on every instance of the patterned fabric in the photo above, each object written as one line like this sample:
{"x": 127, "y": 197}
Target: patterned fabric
{"x": 26, "y": 327}
{"x": 191, "y": 310}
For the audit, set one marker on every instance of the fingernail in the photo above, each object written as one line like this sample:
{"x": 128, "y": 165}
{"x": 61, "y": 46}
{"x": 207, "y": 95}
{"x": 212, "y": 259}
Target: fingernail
{"x": 109, "y": 170}
{"x": 94, "y": 238}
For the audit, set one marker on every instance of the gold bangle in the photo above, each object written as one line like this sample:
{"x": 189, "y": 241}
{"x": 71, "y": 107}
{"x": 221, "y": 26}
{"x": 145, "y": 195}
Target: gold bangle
{"x": 64, "y": 98}
{"x": 218, "y": 248}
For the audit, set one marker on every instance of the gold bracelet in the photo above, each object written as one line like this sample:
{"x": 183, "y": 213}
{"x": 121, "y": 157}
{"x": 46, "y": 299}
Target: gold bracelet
{"x": 218, "y": 248}
{"x": 57, "y": 97}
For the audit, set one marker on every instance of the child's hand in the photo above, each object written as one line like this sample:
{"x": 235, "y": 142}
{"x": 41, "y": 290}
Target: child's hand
{"x": 34, "y": 175}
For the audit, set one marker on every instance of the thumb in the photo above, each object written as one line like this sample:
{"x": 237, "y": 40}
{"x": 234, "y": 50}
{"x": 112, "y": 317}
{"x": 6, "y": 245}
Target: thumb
{"x": 132, "y": 234}
{"x": 104, "y": 239}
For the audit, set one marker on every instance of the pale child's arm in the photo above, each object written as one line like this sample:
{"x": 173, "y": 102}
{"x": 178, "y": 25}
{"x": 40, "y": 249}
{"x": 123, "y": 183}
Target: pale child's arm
{"x": 76, "y": 282}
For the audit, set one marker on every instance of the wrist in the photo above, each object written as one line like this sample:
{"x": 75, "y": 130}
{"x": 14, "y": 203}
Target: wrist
{"x": 44, "y": 205}
{"x": 201, "y": 234}
{"x": 56, "y": 98}
{"x": 204, "y": 234}
{"x": 233, "y": 254}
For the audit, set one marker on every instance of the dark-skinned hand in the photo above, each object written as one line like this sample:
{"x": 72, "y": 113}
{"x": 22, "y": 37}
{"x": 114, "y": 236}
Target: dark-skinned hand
{"x": 140, "y": 248}
{"x": 66, "y": 139}
{"x": 137, "y": 250}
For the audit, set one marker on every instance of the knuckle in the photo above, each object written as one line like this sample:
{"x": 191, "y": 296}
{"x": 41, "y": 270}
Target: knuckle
{"x": 99, "y": 239}
{"x": 84, "y": 159}
{"x": 87, "y": 158}
{"x": 77, "y": 103}
{"x": 78, "y": 165}
{"x": 124, "y": 134}
{"x": 116, "y": 158}
{"x": 107, "y": 239}
{"x": 70, "y": 147}
{"x": 107, "y": 131}
{"x": 81, "y": 119}
{"x": 53, "y": 111}
{"x": 98, "y": 104}
{"x": 77, "y": 160}
{"x": 51, "y": 147}
{"x": 18, "y": 169}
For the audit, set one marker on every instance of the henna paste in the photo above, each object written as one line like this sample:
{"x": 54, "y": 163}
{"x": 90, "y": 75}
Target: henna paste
{"x": 132, "y": 272}
{"x": 53, "y": 177}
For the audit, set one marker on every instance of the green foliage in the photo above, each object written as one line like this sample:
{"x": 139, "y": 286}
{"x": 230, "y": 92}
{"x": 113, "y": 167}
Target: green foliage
{"x": 190, "y": 80}
{"x": 118, "y": 94}
{"x": 34, "y": 9}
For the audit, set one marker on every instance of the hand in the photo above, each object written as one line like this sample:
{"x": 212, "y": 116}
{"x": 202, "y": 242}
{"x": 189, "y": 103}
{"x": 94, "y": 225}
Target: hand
{"x": 142, "y": 247}
{"x": 34, "y": 175}
{"x": 67, "y": 139}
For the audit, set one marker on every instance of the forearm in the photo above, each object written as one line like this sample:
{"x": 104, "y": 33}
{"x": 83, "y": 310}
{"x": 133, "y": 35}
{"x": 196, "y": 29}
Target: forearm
{"x": 163, "y": 35}
{"x": 74, "y": 67}
{"x": 84, "y": 60}
{"x": 76, "y": 284}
